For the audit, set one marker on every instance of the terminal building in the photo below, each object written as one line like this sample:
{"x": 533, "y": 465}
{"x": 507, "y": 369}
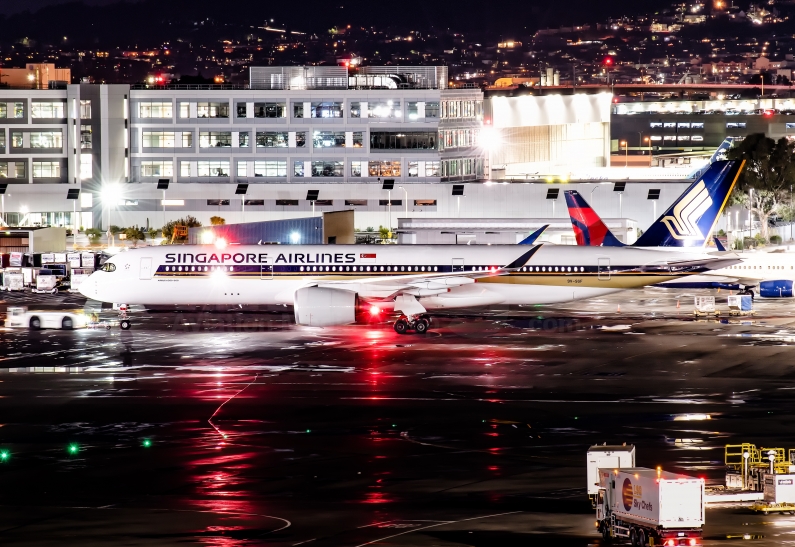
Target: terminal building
{"x": 386, "y": 142}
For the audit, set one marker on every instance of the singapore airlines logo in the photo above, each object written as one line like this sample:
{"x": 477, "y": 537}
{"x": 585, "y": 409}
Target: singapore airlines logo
{"x": 686, "y": 214}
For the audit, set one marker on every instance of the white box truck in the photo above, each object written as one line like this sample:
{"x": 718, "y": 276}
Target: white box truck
{"x": 606, "y": 456}
{"x": 650, "y": 507}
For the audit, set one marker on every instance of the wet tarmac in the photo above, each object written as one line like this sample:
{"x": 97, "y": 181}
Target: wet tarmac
{"x": 239, "y": 428}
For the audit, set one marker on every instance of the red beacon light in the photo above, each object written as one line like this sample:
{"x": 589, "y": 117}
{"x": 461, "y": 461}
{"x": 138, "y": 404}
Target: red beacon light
{"x": 768, "y": 113}
{"x": 607, "y": 61}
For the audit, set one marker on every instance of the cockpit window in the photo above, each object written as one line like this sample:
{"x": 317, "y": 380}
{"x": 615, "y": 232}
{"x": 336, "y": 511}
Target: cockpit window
{"x": 108, "y": 267}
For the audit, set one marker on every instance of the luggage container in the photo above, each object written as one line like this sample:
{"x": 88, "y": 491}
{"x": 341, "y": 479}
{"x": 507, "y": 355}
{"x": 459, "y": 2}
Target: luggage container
{"x": 606, "y": 456}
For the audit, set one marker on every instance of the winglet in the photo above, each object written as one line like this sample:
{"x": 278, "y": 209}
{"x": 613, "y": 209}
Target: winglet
{"x": 589, "y": 229}
{"x": 718, "y": 244}
{"x": 522, "y": 260}
{"x": 529, "y": 240}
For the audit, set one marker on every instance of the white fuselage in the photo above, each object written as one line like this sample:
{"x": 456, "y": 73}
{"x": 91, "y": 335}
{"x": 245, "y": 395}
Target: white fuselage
{"x": 263, "y": 275}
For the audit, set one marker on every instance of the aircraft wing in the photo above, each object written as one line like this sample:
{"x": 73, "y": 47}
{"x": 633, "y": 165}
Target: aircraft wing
{"x": 422, "y": 283}
{"x": 714, "y": 261}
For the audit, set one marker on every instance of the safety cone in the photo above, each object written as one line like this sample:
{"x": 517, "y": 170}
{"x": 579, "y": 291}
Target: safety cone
{"x": 619, "y": 309}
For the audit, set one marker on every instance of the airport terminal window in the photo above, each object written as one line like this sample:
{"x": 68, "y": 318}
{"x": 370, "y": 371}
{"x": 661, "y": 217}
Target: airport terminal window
{"x": 655, "y": 138}
{"x": 683, "y": 138}
{"x": 215, "y": 139}
{"x": 356, "y": 168}
{"x": 697, "y": 125}
{"x": 431, "y": 110}
{"x": 242, "y": 169}
{"x": 2, "y": 138}
{"x": 414, "y": 168}
{"x": 254, "y": 202}
{"x": 669, "y": 125}
{"x": 46, "y": 139}
{"x": 669, "y": 138}
{"x": 274, "y": 168}
{"x": 683, "y": 125}
{"x": 735, "y": 125}
{"x": 298, "y": 169}
{"x": 327, "y": 110}
{"x": 298, "y": 110}
{"x": 12, "y": 170}
{"x": 187, "y": 139}
{"x": 356, "y": 110}
{"x": 212, "y": 110}
{"x": 300, "y": 139}
{"x": 184, "y": 110}
{"x": 212, "y": 169}
{"x": 46, "y": 169}
{"x": 460, "y": 167}
{"x": 149, "y": 109}
{"x": 47, "y": 109}
{"x": 432, "y": 168}
{"x": 457, "y": 138}
{"x": 356, "y": 202}
{"x": 86, "y": 167}
{"x": 413, "y": 110}
{"x": 270, "y": 110}
{"x": 698, "y": 138}
{"x": 218, "y": 202}
{"x": 328, "y": 139}
{"x": 16, "y": 139}
{"x": 287, "y": 202}
{"x": 241, "y": 110}
{"x": 242, "y": 139}
{"x": 158, "y": 168}
{"x": 385, "y": 202}
{"x": 655, "y": 125}
{"x": 327, "y": 169}
{"x": 403, "y": 140}
{"x": 383, "y": 109}
{"x": 271, "y": 139}
{"x": 787, "y": 125}
{"x": 383, "y": 168}
{"x": 358, "y": 139}
{"x": 158, "y": 139}
{"x": 424, "y": 203}
{"x": 86, "y": 137}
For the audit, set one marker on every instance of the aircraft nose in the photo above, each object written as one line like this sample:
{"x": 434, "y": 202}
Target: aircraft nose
{"x": 88, "y": 288}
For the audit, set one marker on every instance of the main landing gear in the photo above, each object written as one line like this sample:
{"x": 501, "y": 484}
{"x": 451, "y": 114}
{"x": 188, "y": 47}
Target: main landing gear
{"x": 749, "y": 291}
{"x": 124, "y": 318}
{"x": 418, "y": 323}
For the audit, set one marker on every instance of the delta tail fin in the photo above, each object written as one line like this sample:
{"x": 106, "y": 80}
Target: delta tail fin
{"x": 691, "y": 218}
{"x": 589, "y": 229}
{"x": 529, "y": 240}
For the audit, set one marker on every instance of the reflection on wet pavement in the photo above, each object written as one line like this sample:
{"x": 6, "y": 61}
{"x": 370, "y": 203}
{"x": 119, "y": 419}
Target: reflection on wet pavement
{"x": 242, "y": 429}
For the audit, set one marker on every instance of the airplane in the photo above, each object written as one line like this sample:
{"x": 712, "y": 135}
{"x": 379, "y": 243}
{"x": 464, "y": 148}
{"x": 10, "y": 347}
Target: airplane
{"x": 772, "y": 272}
{"x": 328, "y": 285}
{"x": 688, "y": 222}
{"x": 529, "y": 240}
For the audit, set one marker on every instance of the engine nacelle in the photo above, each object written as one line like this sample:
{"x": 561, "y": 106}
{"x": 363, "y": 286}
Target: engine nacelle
{"x": 778, "y": 288}
{"x": 322, "y": 307}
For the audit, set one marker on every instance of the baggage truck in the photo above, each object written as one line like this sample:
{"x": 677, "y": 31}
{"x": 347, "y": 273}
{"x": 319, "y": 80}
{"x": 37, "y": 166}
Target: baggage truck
{"x": 606, "y": 456}
{"x": 650, "y": 507}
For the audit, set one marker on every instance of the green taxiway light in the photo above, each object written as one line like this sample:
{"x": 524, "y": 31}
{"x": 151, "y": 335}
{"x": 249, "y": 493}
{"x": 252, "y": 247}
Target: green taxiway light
{"x": 4, "y": 456}
{"x": 309, "y": 431}
{"x": 147, "y": 443}
{"x": 73, "y": 448}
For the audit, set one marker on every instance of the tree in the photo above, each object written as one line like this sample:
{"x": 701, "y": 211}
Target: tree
{"x": 765, "y": 182}
{"x": 189, "y": 221}
{"x": 134, "y": 234}
{"x": 93, "y": 235}
{"x": 217, "y": 221}
{"x": 152, "y": 233}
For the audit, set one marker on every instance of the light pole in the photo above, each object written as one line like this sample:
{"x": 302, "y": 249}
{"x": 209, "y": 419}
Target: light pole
{"x": 750, "y": 208}
{"x": 648, "y": 140}
{"x": 625, "y": 144}
{"x": 407, "y": 200}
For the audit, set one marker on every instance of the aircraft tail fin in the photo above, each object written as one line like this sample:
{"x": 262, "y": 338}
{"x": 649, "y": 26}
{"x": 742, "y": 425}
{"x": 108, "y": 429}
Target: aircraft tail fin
{"x": 691, "y": 218}
{"x": 529, "y": 240}
{"x": 718, "y": 245}
{"x": 589, "y": 229}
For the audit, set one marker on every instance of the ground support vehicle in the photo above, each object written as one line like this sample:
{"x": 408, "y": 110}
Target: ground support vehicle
{"x": 21, "y": 317}
{"x": 650, "y": 507}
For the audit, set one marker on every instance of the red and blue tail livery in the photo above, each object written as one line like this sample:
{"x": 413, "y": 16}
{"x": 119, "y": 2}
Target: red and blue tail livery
{"x": 687, "y": 223}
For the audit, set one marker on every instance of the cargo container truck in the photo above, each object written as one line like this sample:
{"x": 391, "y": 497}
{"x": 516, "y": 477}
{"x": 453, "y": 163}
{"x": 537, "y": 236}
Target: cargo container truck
{"x": 650, "y": 507}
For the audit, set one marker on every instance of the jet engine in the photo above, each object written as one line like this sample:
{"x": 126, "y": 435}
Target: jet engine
{"x": 778, "y": 288}
{"x": 323, "y": 307}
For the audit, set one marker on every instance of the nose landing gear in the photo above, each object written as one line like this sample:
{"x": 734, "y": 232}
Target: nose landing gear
{"x": 418, "y": 323}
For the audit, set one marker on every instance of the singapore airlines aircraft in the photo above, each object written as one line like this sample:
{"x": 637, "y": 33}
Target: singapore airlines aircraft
{"x": 328, "y": 284}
